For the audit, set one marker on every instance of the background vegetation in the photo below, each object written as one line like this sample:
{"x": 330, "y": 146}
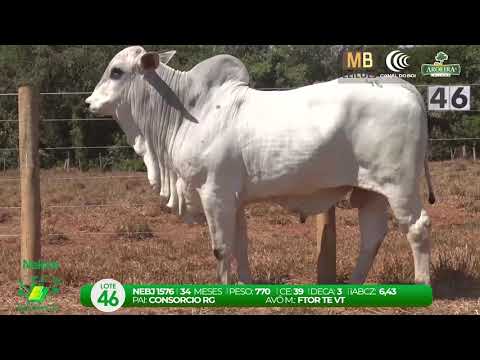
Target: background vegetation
{"x": 57, "y": 68}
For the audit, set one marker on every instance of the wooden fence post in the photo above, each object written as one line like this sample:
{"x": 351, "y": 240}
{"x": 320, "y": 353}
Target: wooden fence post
{"x": 474, "y": 152}
{"x": 325, "y": 234}
{"x": 29, "y": 121}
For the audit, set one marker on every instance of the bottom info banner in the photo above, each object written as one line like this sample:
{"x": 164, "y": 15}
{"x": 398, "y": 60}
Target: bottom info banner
{"x": 110, "y": 295}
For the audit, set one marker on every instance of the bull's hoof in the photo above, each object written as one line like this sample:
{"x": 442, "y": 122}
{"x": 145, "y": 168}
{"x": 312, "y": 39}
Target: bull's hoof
{"x": 423, "y": 281}
{"x": 219, "y": 254}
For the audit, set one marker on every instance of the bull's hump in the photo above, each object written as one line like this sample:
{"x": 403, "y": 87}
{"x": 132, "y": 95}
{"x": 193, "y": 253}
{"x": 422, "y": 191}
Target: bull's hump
{"x": 219, "y": 70}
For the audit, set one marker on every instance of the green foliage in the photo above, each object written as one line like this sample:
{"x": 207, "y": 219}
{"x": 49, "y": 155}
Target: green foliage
{"x": 56, "y": 68}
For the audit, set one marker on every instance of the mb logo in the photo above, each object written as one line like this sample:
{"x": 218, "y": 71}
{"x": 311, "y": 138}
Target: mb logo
{"x": 357, "y": 60}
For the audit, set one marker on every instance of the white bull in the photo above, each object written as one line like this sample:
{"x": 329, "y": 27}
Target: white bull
{"x": 212, "y": 145}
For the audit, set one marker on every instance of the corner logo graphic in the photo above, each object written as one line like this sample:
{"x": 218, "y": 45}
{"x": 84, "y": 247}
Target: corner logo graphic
{"x": 38, "y": 294}
{"x": 439, "y": 68}
{"x": 397, "y": 61}
{"x": 35, "y": 295}
{"x": 357, "y": 60}
{"x": 357, "y": 65}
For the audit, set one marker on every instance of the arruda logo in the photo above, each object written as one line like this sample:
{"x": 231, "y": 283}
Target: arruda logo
{"x": 397, "y": 61}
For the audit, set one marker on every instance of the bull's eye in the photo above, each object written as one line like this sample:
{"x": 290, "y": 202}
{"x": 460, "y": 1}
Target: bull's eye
{"x": 116, "y": 73}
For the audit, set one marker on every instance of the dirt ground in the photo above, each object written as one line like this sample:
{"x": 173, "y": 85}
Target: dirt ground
{"x": 114, "y": 228}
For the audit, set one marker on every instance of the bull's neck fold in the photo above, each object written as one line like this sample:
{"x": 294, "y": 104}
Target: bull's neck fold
{"x": 157, "y": 100}
{"x": 157, "y": 107}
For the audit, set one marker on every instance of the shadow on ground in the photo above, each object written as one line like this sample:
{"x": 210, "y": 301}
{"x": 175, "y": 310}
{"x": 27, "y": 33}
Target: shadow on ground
{"x": 452, "y": 284}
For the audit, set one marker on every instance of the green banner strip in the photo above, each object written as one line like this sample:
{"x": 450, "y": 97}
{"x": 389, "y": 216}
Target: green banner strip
{"x": 447, "y": 70}
{"x": 181, "y": 296}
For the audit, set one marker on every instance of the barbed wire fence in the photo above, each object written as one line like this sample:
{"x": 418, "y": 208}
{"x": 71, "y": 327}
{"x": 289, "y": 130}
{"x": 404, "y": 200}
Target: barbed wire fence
{"x": 49, "y": 179}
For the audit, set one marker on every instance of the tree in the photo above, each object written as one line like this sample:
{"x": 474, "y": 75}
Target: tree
{"x": 441, "y": 57}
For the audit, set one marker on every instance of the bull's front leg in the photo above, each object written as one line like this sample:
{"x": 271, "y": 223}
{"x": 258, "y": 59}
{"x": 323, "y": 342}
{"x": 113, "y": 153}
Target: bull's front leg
{"x": 241, "y": 249}
{"x": 220, "y": 211}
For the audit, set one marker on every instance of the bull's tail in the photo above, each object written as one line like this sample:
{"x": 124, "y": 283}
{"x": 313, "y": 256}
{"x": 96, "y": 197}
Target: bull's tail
{"x": 431, "y": 194}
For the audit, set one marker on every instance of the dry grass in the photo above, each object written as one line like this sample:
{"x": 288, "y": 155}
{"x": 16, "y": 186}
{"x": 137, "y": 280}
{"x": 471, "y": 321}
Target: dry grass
{"x": 138, "y": 241}
{"x": 133, "y": 230}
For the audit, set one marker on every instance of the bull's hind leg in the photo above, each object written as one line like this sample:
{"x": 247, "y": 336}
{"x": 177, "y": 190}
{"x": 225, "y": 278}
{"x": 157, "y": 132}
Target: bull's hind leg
{"x": 415, "y": 223}
{"x": 373, "y": 218}
{"x": 419, "y": 239}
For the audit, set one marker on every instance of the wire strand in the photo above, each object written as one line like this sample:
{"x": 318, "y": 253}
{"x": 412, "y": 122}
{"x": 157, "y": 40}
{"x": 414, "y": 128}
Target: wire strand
{"x": 76, "y": 206}
{"x": 78, "y": 148}
{"x": 120, "y": 233}
{"x": 67, "y": 93}
{"x": 80, "y": 178}
{"x": 92, "y": 206}
{"x": 456, "y": 139}
{"x": 60, "y": 120}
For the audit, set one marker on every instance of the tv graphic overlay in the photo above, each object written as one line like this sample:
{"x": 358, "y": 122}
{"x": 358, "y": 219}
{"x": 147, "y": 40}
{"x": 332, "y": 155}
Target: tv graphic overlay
{"x": 358, "y": 60}
{"x": 440, "y": 69}
{"x": 397, "y": 61}
{"x": 358, "y": 64}
{"x": 365, "y": 65}
{"x": 109, "y": 296}
{"x": 39, "y": 295}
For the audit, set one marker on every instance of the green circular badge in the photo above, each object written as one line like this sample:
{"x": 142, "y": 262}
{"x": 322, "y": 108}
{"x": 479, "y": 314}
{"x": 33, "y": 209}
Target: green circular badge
{"x": 108, "y": 295}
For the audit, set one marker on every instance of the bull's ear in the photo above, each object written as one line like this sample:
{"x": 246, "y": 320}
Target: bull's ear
{"x": 166, "y": 57}
{"x": 150, "y": 61}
